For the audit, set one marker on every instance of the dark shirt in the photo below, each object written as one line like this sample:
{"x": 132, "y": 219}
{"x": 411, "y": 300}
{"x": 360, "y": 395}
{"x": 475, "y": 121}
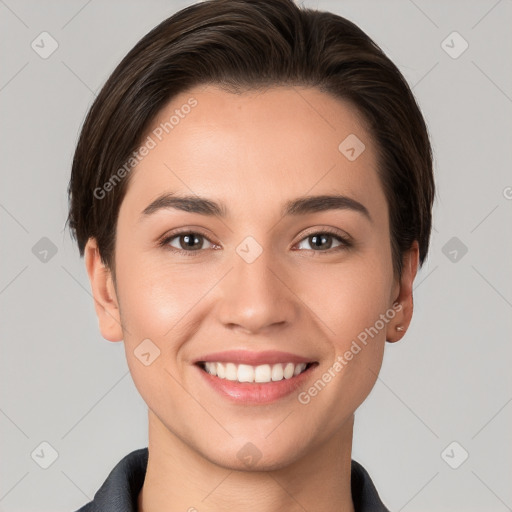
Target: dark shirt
{"x": 120, "y": 491}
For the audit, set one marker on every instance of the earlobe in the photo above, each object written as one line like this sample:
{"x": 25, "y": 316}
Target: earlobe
{"x": 103, "y": 291}
{"x": 397, "y": 329}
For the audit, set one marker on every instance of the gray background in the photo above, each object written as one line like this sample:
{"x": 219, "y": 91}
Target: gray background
{"x": 448, "y": 380}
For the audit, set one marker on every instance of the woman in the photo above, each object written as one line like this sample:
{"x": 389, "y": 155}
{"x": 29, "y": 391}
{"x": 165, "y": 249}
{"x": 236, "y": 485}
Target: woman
{"x": 252, "y": 191}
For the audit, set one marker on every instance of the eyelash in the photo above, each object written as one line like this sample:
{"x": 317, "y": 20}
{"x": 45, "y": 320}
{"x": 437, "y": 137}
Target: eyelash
{"x": 345, "y": 242}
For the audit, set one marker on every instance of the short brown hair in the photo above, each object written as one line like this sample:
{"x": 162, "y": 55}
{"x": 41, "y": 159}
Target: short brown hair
{"x": 251, "y": 44}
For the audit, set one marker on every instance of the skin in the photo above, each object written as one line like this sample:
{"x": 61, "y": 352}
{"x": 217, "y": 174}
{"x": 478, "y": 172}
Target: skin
{"x": 253, "y": 152}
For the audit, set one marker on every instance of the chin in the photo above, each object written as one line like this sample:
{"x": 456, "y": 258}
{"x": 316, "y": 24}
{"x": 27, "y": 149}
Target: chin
{"x": 253, "y": 455}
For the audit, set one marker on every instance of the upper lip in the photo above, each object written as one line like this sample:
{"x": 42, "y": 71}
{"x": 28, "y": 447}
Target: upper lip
{"x": 253, "y": 358}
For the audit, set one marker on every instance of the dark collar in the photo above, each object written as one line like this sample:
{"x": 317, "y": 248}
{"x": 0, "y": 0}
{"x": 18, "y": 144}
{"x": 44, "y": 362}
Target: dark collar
{"x": 120, "y": 490}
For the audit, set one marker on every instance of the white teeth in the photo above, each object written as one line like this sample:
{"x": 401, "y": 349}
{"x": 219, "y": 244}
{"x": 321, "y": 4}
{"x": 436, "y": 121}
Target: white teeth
{"x": 288, "y": 371}
{"x": 247, "y": 373}
{"x": 221, "y": 370}
{"x": 262, "y": 373}
{"x": 277, "y": 372}
{"x": 210, "y": 368}
{"x": 231, "y": 373}
{"x": 299, "y": 368}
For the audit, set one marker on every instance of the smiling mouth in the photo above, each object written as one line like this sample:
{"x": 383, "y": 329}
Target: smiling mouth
{"x": 261, "y": 374}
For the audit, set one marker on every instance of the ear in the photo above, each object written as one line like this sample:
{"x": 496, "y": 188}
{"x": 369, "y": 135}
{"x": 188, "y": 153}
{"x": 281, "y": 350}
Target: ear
{"x": 403, "y": 294}
{"x": 104, "y": 294}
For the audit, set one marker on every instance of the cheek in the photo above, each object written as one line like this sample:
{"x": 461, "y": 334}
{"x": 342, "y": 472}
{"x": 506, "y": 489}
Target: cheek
{"x": 158, "y": 304}
{"x": 351, "y": 302}
{"x": 155, "y": 296}
{"x": 348, "y": 299}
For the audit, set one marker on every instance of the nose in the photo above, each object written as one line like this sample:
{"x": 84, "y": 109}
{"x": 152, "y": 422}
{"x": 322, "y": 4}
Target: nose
{"x": 258, "y": 296}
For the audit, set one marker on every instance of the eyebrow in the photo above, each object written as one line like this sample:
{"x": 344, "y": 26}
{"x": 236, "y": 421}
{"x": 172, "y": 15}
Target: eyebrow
{"x": 298, "y": 206}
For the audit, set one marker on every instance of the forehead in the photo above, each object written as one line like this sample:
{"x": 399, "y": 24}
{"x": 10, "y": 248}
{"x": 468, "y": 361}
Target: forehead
{"x": 265, "y": 145}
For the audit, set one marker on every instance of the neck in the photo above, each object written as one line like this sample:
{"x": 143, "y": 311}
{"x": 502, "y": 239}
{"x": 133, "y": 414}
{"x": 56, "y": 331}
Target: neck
{"x": 178, "y": 478}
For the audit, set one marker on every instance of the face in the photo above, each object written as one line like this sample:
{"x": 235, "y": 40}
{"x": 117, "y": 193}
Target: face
{"x": 253, "y": 278}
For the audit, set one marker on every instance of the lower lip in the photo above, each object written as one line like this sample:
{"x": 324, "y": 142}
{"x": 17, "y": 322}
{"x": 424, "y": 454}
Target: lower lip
{"x": 256, "y": 393}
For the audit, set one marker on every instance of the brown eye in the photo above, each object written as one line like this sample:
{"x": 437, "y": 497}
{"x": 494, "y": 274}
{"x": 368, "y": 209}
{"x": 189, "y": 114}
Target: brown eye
{"x": 190, "y": 241}
{"x": 186, "y": 242}
{"x": 323, "y": 242}
{"x": 320, "y": 241}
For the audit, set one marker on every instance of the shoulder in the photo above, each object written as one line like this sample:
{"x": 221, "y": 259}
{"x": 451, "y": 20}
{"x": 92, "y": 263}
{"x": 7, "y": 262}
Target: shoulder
{"x": 364, "y": 494}
{"x": 120, "y": 490}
